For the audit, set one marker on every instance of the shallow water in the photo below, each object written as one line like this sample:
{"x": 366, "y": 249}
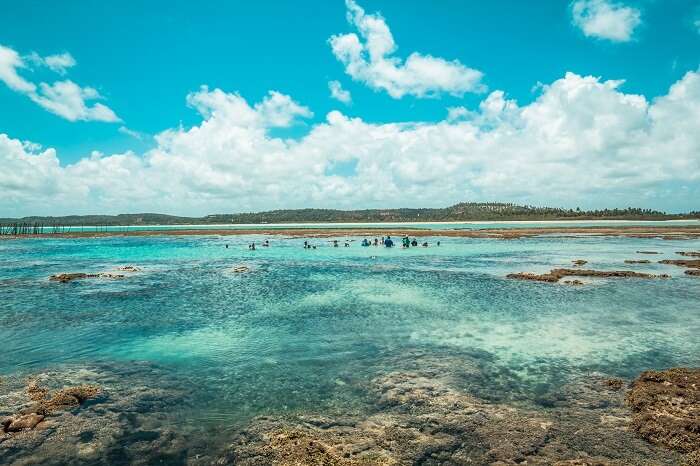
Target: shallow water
{"x": 303, "y": 326}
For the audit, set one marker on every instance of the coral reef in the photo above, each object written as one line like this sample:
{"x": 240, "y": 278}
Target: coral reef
{"x": 688, "y": 263}
{"x": 69, "y": 277}
{"x": 423, "y": 411}
{"x": 423, "y": 419}
{"x": 666, "y": 407}
{"x": 128, "y": 421}
{"x": 555, "y": 275}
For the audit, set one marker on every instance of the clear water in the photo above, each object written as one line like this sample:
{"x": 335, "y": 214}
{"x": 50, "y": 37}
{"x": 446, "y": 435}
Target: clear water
{"x": 302, "y": 325}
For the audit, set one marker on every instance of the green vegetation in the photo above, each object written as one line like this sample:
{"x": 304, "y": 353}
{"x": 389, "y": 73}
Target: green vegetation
{"x": 466, "y": 211}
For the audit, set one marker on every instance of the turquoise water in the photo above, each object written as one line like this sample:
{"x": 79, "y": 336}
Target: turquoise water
{"x": 299, "y": 329}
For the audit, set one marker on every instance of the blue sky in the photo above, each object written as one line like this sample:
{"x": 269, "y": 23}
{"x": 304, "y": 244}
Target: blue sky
{"x": 145, "y": 58}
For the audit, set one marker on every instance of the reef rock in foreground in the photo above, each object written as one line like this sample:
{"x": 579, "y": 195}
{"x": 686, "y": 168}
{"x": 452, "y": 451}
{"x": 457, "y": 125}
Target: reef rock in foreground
{"x": 666, "y": 407}
{"x": 423, "y": 419}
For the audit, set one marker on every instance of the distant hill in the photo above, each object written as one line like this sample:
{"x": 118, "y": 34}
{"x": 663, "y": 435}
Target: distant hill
{"x": 465, "y": 211}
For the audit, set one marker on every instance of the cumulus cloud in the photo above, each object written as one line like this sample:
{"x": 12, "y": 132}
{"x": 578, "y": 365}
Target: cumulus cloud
{"x": 581, "y": 138}
{"x": 338, "y": 93}
{"x": 279, "y": 110}
{"x": 605, "y": 19}
{"x": 369, "y": 58}
{"x": 63, "y": 98}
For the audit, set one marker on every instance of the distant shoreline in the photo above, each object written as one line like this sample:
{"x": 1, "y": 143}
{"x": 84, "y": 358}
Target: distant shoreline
{"x": 324, "y": 225}
{"x": 668, "y": 232}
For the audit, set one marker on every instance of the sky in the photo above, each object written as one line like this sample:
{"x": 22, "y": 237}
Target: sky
{"x": 195, "y": 108}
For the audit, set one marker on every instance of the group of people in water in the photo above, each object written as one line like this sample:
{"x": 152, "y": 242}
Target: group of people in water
{"x": 387, "y": 242}
{"x": 251, "y": 246}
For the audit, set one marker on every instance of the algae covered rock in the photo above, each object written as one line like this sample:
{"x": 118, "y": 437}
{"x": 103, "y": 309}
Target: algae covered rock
{"x": 554, "y": 275}
{"x": 23, "y": 422}
{"x": 69, "y": 277}
{"x": 666, "y": 407}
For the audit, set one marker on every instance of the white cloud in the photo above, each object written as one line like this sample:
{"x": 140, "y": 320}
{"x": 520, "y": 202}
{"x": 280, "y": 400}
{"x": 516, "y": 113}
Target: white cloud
{"x": 279, "y": 110}
{"x": 68, "y": 100}
{"x": 130, "y": 132}
{"x": 338, "y": 93}
{"x": 10, "y": 61}
{"x": 368, "y": 58}
{"x": 583, "y": 141}
{"x": 60, "y": 63}
{"x": 605, "y": 19}
{"x": 458, "y": 113}
{"x": 63, "y": 98}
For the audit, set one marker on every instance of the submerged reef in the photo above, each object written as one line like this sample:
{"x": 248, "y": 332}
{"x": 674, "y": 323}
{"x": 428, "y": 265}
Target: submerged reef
{"x": 419, "y": 418}
{"x": 555, "y": 275}
{"x": 422, "y": 411}
{"x": 61, "y": 417}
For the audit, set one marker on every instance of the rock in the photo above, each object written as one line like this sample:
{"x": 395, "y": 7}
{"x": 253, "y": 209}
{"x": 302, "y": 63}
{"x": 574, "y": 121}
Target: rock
{"x": 35, "y": 392}
{"x": 580, "y": 262}
{"x": 648, "y": 252}
{"x": 240, "y": 269}
{"x": 641, "y": 261}
{"x": 689, "y": 253}
{"x": 583, "y": 462}
{"x": 129, "y": 268}
{"x": 692, "y": 458}
{"x": 666, "y": 408}
{"x": 132, "y": 423}
{"x": 25, "y": 422}
{"x": 614, "y": 384}
{"x": 5, "y": 423}
{"x": 66, "y": 398}
{"x": 693, "y": 273}
{"x": 688, "y": 263}
{"x": 573, "y": 282}
{"x": 421, "y": 418}
{"x": 68, "y": 277}
{"x": 555, "y": 275}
